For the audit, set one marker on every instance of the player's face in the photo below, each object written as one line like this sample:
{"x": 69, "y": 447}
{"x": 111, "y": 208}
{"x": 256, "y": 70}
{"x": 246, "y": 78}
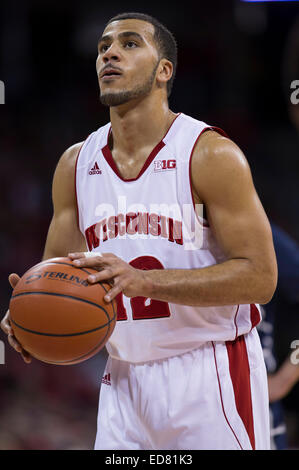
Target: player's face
{"x": 127, "y": 61}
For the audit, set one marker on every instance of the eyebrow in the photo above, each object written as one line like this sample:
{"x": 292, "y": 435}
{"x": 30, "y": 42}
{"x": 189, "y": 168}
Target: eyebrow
{"x": 123, "y": 35}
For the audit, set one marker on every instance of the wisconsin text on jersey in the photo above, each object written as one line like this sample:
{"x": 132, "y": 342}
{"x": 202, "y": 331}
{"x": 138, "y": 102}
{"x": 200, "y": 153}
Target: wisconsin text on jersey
{"x": 140, "y": 223}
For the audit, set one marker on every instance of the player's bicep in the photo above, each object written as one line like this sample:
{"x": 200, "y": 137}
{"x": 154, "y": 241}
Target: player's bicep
{"x": 243, "y": 232}
{"x": 238, "y": 220}
{"x": 234, "y": 210}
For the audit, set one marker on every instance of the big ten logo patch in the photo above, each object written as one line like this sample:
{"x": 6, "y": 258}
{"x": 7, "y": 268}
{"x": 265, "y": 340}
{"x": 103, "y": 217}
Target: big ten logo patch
{"x": 160, "y": 165}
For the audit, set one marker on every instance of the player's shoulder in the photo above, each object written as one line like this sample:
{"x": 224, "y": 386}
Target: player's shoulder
{"x": 217, "y": 165}
{"x": 211, "y": 142}
{"x": 65, "y": 168}
{"x": 68, "y": 160}
{"x": 216, "y": 152}
{"x": 69, "y": 156}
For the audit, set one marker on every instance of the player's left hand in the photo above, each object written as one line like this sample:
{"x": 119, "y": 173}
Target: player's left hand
{"x": 121, "y": 275}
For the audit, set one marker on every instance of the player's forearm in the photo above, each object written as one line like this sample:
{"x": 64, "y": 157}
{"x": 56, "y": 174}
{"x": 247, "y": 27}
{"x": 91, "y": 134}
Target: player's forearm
{"x": 233, "y": 282}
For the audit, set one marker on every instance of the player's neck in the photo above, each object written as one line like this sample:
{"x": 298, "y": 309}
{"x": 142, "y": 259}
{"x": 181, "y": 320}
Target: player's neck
{"x": 139, "y": 124}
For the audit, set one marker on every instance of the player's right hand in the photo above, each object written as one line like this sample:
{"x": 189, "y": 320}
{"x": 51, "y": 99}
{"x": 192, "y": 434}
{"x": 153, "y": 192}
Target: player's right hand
{"x": 6, "y": 326}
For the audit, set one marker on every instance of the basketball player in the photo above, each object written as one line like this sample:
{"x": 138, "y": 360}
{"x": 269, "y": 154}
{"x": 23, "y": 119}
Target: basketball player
{"x": 185, "y": 367}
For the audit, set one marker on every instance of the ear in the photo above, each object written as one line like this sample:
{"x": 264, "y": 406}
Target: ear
{"x": 164, "y": 72}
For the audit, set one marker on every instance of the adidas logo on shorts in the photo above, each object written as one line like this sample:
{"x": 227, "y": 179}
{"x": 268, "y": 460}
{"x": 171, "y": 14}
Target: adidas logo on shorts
{"x": 106, "y": 379}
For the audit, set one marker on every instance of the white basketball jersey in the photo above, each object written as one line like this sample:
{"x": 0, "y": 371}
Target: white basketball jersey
{"x": 151, "y": 222}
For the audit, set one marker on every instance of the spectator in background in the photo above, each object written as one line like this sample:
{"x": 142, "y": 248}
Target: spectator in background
{"x": 282, "y": 379}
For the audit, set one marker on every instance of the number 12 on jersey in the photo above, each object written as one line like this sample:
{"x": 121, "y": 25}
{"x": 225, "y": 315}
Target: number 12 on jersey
{"x": 143, "y": 308}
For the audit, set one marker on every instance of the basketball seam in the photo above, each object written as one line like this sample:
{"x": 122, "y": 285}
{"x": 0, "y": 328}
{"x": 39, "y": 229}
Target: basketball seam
{"x": 72, "y": 361}
{"x": 110, "y": 320}
{"x": 59, "y": 335}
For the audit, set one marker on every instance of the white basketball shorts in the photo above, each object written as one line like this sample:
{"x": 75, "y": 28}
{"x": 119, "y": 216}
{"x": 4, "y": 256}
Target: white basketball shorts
{"x": 214, "y": 397}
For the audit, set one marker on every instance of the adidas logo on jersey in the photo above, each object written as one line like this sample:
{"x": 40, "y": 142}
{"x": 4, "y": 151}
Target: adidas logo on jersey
{"x": 160, "y": 165}
{"x": 95, "y": 170}
{"x": 106, "y": 379}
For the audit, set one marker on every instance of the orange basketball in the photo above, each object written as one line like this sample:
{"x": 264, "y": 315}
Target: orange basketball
{"x": 57, "y": 316}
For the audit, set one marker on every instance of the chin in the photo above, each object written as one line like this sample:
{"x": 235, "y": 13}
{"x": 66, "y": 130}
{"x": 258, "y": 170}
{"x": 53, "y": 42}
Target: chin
{"x": 115, "y": 98}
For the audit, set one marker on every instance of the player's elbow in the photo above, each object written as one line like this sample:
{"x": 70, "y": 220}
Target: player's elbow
{"x": 267, "y": 285}
{"x": 266, "y": 295}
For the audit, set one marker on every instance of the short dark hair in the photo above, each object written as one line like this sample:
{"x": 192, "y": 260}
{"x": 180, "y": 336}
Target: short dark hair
{"x": 164, "y": 39}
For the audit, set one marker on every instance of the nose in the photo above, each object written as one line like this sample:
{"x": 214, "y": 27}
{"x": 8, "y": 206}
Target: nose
{"x": 111, "y": 54}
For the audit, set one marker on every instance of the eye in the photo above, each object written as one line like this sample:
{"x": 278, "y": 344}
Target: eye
{"x": 103, "y": 48}
{"x": 130, "y": 44}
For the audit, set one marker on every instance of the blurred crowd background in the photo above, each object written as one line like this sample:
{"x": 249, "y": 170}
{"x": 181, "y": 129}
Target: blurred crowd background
{"x": 236, "y": 63}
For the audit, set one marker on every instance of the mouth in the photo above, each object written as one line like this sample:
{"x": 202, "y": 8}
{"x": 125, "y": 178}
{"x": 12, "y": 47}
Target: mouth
{"x": 110, "y": 74}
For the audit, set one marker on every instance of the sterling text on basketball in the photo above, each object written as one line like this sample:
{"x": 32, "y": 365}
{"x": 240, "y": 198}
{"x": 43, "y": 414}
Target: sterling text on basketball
{"x": 61, "y": 276}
